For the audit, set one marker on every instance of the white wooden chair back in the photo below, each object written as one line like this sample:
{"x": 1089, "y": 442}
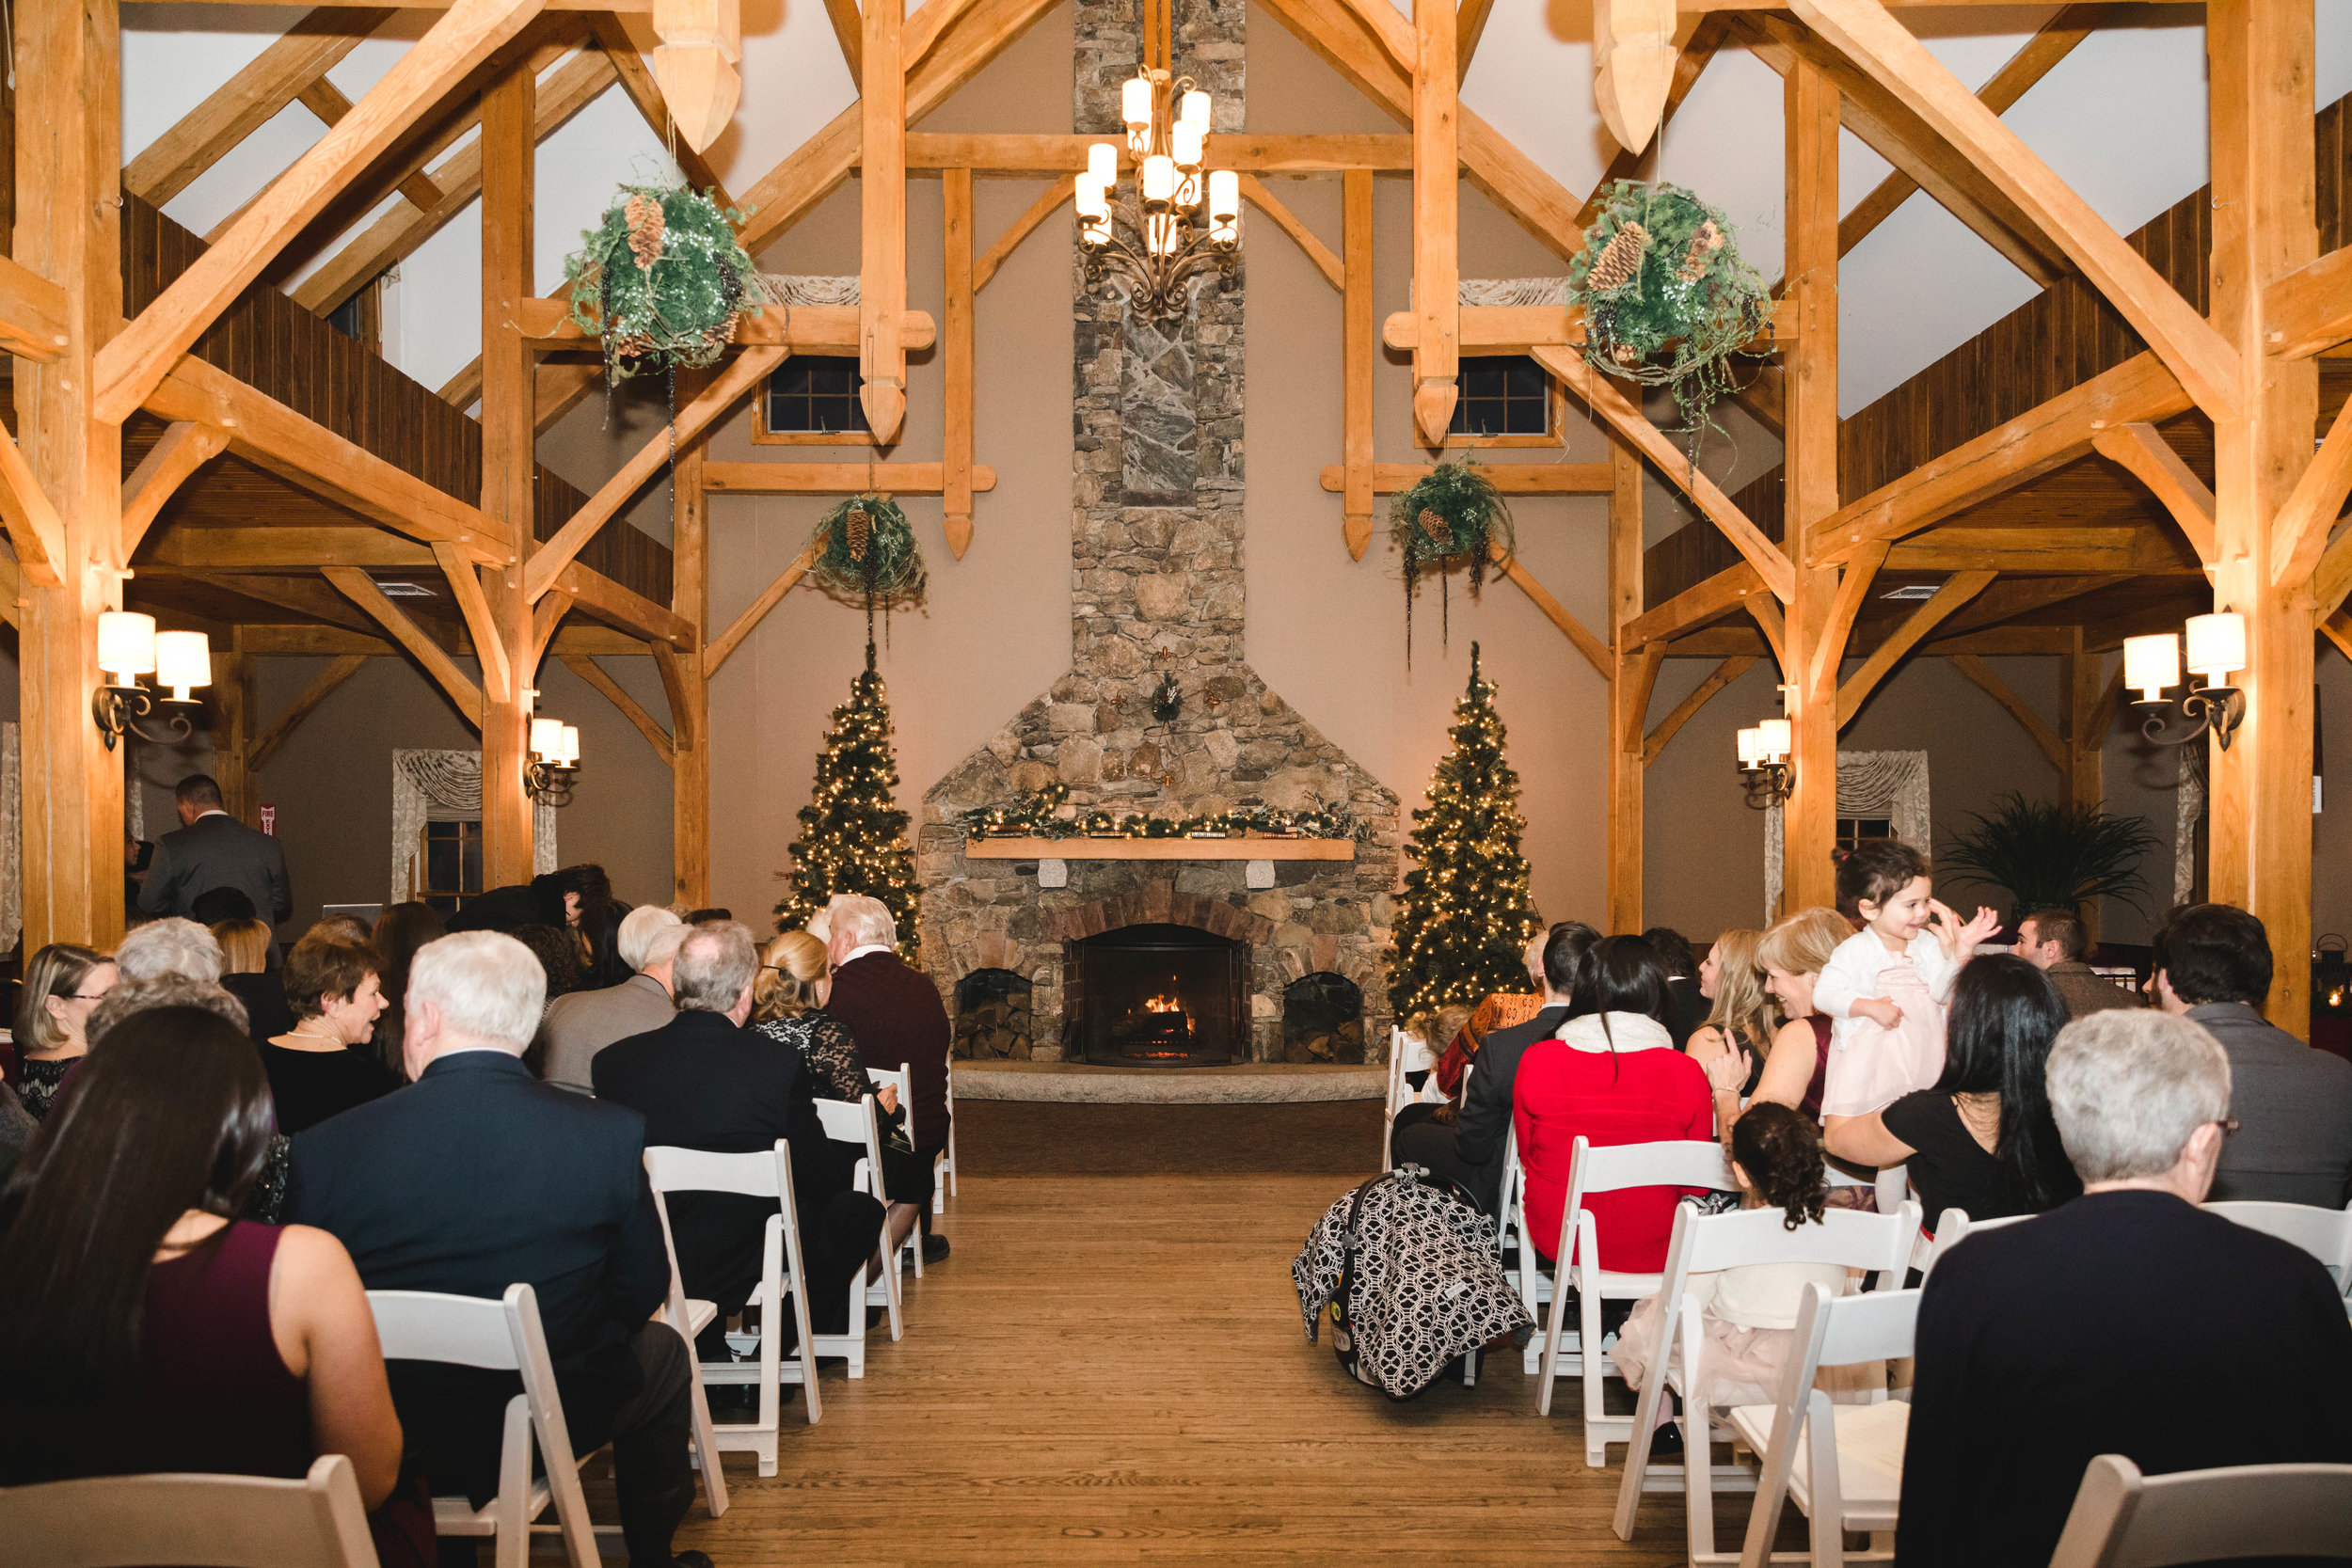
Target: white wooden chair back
{"x": 1607, "y": 1168}
{"x": 1708, "y": 1244}
{"x": 911, "y": 1250}
{"x": 202, "y": 1521}
{"x": 2325, "y": 1233}
{"x": 2122, "y": 1519}
{"x": 671, "y": 1170}
{"x": 1804, "y": 1439}
{"x": 428, "y": 1325}
{"x": 860, "y": 1124}
{"x": 943, "y": 1185}
{"x": 1408, "y": 1052}
{"x": 1954, "y": 1227}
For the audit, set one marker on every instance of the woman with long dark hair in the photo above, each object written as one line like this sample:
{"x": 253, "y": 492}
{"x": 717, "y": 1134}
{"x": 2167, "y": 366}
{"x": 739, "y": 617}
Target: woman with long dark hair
{"x": 400, "y": 930}
{"x": 143, "y": 1327}
{"x": 1982, "y": 1140}
{"x": 1611, "y": 1076}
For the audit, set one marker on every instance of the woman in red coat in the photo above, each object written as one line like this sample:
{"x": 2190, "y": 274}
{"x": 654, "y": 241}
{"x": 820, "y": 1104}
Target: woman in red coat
{"x": 1611, "y": 1076}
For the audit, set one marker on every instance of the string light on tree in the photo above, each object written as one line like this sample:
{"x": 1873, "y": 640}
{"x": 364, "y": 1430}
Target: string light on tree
{"x": 1464, "y": 915}
{"x": 853, "y": 836}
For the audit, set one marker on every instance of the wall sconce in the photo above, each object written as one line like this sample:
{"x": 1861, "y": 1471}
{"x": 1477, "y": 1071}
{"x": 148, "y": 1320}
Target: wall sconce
{"x": 554, "y": 763}
{"x": 129, "y": 646}
{"x": 2216, "y": 650}
{"x": 1764, "y": 763}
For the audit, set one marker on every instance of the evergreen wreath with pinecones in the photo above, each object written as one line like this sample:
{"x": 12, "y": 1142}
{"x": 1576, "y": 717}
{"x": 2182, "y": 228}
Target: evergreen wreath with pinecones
{"x": 662, "y": 280}
{"x": 1453, "y": 516}
{"x": 863, "y": 550}
{"x": 1668, "y": 299}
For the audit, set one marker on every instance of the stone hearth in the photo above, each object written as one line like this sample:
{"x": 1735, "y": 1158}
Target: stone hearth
{"x": 1157, "y": 591}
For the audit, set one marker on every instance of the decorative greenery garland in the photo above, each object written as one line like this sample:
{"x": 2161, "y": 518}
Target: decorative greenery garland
{"x": 1034, "y": 816}
{"x": 1455, "y": 511}
{"x": 662, "y": 280}
{"x": 1661, "y": 272}
{"x": 865, "y": 549}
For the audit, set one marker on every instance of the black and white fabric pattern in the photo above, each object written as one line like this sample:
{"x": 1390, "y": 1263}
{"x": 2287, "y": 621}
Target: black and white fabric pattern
{"x": 1425, "y": 1284}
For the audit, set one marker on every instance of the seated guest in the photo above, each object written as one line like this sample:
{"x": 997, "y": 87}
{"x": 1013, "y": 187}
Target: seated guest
{"x": 245, "y": 975}
{"x": 220, "y": 905}
{"x": 2054, "y": 942}
{"x": 788, "y": 1006}
{"x": 2293, "y": 1104}
{"x": 128, "y": 998}
{"x": 2127, "y": 1321}
{"x": 1982, "y": 1139}
{"x": 703, "y": 1080}
{"x": 213, "y": 849}
{"x": 400, "y": 930}
{"x": 321, "y": 1067}
{"x": 559, "y": 955}
{"x": 169, "y": 946}
{"x": 476, "y": 1177}
{"x": 896, "y": 1018}
{"x": 1609, "y": 1076}
{"x": 585, "y": 1022}
{"x": 63, "y": 985}
{"x": 1792, "y": 955}
{"x": 1469, "y": 1150}
{"x": 1741, "y": 1017}
{"x": 218, "y": 1345}
{"x": 348, "y": 927}
{"x": 1687, "y": 999}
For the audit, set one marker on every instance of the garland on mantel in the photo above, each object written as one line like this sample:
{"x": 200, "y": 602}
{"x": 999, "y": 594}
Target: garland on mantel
{"x": 1035, "y": 814}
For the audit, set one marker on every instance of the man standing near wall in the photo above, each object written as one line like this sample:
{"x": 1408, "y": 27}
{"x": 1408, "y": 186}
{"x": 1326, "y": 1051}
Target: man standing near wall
{"x": 213, "y": 849}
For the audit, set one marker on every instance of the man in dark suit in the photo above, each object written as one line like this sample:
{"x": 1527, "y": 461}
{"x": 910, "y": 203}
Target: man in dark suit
{"x": 1471, "y": 1150}
{"x": 898, "y": 1018}
{"x": 478, "y": 1177}
{"x": 2127, "y": 1321}
{"x": 2293, "y": 1104}
{"x": 214, "y": 849}
{"x": 703, "y": 1080}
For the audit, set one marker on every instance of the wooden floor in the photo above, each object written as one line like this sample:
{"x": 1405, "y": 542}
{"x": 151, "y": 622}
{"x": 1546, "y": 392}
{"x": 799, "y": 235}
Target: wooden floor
{"x": 1111, "y": 1369}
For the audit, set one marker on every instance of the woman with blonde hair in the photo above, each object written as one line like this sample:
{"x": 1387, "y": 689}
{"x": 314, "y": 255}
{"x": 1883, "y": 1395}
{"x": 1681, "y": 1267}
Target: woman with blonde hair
{"x": 62, "y": 987}
{"x": 1792, "y": 955}
{"x": 245, "y": 975}
{"x": 789, "y": 993}
{"x": 1743, "y": 1018}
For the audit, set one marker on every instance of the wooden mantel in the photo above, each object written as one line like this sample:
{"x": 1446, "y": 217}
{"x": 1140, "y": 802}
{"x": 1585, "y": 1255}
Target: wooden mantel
{"x": 1159, "y": 850}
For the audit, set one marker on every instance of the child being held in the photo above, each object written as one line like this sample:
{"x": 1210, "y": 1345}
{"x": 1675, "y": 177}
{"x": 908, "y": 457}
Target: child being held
{"x": 1749, "y": 1314}
{"x": 1886, "y": 986}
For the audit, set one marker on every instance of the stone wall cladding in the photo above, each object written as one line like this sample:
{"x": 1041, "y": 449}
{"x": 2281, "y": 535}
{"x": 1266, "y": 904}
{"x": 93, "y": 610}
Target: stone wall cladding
{"x": 1157, "y": 589}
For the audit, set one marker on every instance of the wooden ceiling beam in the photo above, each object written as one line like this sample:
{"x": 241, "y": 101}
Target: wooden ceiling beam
{"x": 357, "y": 586}
{"x": 725, "y": 643}
{"x": 656, "y": 737}
{"x": 498, "y": 670}
{"x": 1957, "y": 591}
{"x": 1845, "y": 606}
{"x": 35, "y": 530}
{"x": 849, "y": 30}
{"x": 184, "y": 447}
{"x": 1017, "y": 153}
{"x": 2006, "y": 601}
{"x": 1524, "y": 328}
{"x": 836, "y": 479}
{"x": 984, "y": 266}
{"x": 2040, "y": 54}
{"x": 881, "y": 297}
{"x": 2025, "y": 549}
{"x": 1724, "y": 674}
{"x": 300, "y": 595}
{"x": 1696, "y": 606}
{"x": 289, "y": 549}
{"x": 32, "y": 313}
{"x": 803, "y": 328}
{"x": 2299, "y": 529}
{"x": 1596, "y": 652}
{"x": 322, "y": 686}
{"x": 1326, "y": 260}
{"x": 1699, "y": 37}
{"x": 623, "y": 608}
{"x": 1982, "y": 676}
{"x": 1511, "y": 479}
{"x": 2309, "y": 309}
{"x": 2142, "y": 451}
{"x": 637, "y": 80}
{"x": 2189, "y": 346}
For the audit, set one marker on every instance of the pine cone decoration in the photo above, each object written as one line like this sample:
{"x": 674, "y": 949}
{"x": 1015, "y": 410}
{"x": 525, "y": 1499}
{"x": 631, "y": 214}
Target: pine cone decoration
{"x": 1704, "y": 244}
{"x": 1623, "y": 353}
{"x": 1436, "y": 527}
{"x": 859, "y": 527}
{"x": 1620, "y": 260}
{"x": 644, "y": 230}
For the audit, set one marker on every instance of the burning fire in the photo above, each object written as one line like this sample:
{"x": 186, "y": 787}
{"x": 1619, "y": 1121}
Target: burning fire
{"x": 1162, "y": 1005}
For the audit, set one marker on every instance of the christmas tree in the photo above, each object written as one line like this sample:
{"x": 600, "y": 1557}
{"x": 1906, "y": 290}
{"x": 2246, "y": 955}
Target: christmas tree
{"x": 1465, "y": 917}
{"x": 853, "y": 836}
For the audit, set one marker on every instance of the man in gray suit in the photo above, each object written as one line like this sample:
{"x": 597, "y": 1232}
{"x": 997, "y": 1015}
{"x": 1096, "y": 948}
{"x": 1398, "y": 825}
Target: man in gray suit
{"x": 2291, "y": 1104}
{"x": 584, "y": 1022}
{"x": 214, "y": 849}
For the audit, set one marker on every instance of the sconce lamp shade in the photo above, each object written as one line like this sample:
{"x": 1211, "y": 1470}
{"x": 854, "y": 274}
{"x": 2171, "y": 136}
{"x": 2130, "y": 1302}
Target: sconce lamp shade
{"x": 126, "y": 644}
{"x": 1750, "y": 747}
{"x": 546, "y": 739}
{"x": 2150, "y": 664}
{"x": 1772, "y": 739}
{"x": 571, "y": 746}
{"x": 183, "y": 659}
{"x": 2216, "y": 646}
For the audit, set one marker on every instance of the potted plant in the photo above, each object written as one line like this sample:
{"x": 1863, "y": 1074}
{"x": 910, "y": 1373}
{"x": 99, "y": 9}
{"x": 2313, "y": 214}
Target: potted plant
{"x": 2050, "y": 856}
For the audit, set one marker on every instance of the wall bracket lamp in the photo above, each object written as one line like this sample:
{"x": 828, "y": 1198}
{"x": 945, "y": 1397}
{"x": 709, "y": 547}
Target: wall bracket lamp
{"x": 1764, "y": 764}
{"x": 2216, "y": 650}
{"x": 553, "y": 765}
{"x": 129, "y": 646}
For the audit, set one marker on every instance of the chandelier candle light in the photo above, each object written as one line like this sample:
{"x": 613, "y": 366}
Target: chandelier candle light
{"x": 1167, "y": 129}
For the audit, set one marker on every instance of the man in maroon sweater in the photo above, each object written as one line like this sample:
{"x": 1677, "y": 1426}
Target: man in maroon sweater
{"x": 897, "y": 1017}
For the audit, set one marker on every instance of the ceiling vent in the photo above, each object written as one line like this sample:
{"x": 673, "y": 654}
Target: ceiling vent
{"x": 405, "y": 591}
{"x": 1908, "y": 590}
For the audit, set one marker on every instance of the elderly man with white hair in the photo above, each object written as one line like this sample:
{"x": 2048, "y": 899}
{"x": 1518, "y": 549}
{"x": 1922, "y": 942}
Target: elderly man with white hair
{"x": 478, "y": 1177}
{"x": 896, "y": 1018}
{"x": 2129, "y": 1321}
{"x": 585, "y": 1022}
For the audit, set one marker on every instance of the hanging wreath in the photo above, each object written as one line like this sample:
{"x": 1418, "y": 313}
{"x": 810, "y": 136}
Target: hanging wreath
{"x": 1455, "y": 512}
{"x": 662, "y": 280}
{"x": 864, "y": 550}
{"x": 1660, "y": 275}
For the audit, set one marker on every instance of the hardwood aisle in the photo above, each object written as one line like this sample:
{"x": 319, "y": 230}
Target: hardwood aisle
{"x": 1111, "y": 1369}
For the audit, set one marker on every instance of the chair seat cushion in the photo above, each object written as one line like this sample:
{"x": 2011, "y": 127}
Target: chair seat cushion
{"x": 1869, "y": 1458}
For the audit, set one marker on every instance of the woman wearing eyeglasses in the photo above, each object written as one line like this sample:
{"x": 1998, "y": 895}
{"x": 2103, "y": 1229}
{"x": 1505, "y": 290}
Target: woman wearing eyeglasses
{"x": 62, "y": 987}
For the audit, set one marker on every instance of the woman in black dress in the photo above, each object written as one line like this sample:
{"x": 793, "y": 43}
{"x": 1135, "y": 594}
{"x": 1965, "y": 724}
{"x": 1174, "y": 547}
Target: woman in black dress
{"x": 324, "y": 1065}
{"x": 62, "y": 987}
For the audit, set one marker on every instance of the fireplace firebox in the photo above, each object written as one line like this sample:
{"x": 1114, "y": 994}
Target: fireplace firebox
{"x": 1156, "y": 995}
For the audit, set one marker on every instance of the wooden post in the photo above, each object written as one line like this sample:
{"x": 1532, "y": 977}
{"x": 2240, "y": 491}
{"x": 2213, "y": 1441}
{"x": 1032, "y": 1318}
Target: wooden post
{"x": 954, "y": 357}
{"x": 690, "y": 700}
{"x": 509, "y": 464}
{"x": 1811, "y": 366}
{"x": 1437, "y": 238}
{"x": 883, "y": 243}
{"x": 1358, "y": 349}
{"x": 2258, "y": 55}
{"x": 2084, "y": 728}
{"x": 1630, "y": 675}
{"x": 68, "y": 224}
{"x": 232, "y": 732}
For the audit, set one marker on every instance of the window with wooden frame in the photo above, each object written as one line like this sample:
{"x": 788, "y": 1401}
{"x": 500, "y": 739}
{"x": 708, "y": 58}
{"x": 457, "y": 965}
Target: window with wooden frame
{"x": 812, "y": 400}
{"x": 1852, "y": 831}
{"x": 1507, "y": 400}
{"x": 448, "y": 864}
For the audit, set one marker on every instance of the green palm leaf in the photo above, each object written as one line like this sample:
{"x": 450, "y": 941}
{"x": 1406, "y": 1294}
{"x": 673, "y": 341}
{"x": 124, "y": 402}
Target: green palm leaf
{"x": 2049, "y": 856}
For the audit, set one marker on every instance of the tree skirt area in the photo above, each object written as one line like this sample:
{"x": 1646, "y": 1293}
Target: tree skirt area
{"x": 1004, "y": 1137}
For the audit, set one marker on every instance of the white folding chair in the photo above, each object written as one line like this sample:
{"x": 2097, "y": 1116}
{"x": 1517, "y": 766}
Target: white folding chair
{"x": 670, "y": 1169}
{"x": 903, "y": 1081}
{"x": 944, "y": 1168}
{"x": 1953, "y": 1227}
{"x": 1708, "y": 1244}
{"x": 860, "y": 1125}
{"x": 503, "y": 1336}
{"x": 1842, "y": 1464}
{"x": 1406, "y": 1054}
{"x": 1519, "y": 1264}
{"x": 203, "y": 1521}
{"x": 2325, "y": 1233}
{"x": 1608, "y": 1169}
{"x": 2123, "y": 1520}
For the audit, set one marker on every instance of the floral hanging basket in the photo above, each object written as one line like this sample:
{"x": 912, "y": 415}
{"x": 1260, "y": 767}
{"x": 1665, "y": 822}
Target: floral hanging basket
{"x": 1667, "y": 297}
{"x": 662, "y": 280}
{"x": 1453, "y": 516}
{"x": 863, "y": 552}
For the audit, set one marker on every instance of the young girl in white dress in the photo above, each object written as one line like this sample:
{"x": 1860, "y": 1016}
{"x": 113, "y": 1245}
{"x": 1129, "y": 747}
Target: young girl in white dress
{"x": 1886, "y": 987}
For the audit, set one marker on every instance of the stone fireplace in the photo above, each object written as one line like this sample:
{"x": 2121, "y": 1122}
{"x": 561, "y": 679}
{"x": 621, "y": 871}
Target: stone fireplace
{"x": 1157, "y": 591}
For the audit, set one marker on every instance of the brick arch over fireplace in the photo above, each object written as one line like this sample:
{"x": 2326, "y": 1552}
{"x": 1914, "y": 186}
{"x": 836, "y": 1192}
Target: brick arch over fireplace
{"x": 1159, "y": 904}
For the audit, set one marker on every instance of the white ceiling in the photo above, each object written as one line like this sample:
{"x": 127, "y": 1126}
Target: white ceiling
{"x": 2122, "y": 118}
